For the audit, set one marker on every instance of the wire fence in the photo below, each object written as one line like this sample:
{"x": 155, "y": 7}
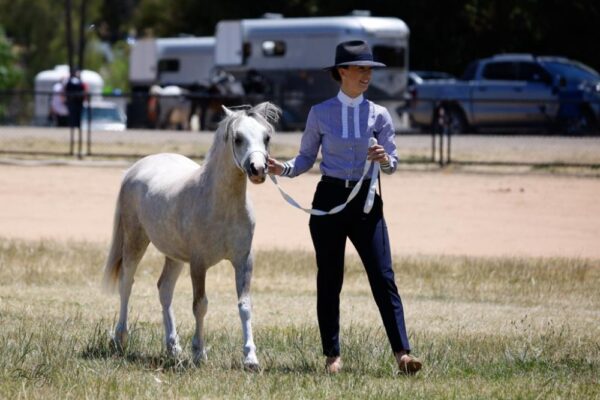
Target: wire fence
{"x": 136, "y": 115}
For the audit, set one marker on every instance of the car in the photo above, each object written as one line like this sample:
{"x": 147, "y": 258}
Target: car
{"x": 105, "y": 116}
{"x": 513, "y": 91}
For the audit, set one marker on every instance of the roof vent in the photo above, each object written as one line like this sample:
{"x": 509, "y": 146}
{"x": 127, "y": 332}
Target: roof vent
{"x": 272, "y": 16}
{"x": 361, "y": 13}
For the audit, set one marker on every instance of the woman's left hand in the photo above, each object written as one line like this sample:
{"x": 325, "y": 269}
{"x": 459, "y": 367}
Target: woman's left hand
{"x": 377, "y": 153}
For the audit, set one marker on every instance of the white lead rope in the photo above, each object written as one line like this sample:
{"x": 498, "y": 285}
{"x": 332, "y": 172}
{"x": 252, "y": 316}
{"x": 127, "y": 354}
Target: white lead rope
{"x": 370, "y": 196}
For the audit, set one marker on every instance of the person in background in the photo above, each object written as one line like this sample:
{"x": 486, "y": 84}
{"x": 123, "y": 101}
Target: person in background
{"x": 341, "y": 128}
{"x": 59, "y": 113}
{"x": 76, "y": 92}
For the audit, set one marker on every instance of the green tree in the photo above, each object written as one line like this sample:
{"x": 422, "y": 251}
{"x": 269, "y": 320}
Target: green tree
{"x": 10, "y": 72}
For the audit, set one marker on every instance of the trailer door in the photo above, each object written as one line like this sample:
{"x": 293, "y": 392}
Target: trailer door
{"x": 143, "y": 62}
{"x": 229, "y": 44}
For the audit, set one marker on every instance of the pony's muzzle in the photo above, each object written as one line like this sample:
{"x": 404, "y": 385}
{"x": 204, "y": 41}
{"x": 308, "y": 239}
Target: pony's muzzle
{"x": 257, "y": 168}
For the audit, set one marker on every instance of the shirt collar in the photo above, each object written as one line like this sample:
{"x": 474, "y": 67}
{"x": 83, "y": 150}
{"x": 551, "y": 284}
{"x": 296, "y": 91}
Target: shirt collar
{"x": 349, "y": 101}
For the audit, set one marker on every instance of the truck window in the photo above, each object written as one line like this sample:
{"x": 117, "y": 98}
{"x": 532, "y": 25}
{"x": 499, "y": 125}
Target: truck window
{"x": 273, "y": 48}
{"x": 500, "y": 71}
{"x": 389, "y": 55}
{"x": 469, "y": 73}
{"x": 532, "y": 72}
{"x": 168, "y": 65}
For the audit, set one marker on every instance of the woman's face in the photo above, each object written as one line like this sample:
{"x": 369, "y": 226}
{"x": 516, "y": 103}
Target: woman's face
{"x": 355, "y": 79}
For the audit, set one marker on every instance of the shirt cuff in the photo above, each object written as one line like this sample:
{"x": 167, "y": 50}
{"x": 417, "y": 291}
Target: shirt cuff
{"x": 287, "y": 169}
{"x": 386, "y": 167}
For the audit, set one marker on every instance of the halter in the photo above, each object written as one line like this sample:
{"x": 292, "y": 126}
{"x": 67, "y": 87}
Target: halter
{"x": 240, "y": 163}
{"x": 368, "y": 201}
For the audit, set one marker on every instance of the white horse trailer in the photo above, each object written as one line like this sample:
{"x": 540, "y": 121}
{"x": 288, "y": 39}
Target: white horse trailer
{"x": 290, "y": 53}
{"x": 180, "y": 61}
{"x": 185, "y": 62}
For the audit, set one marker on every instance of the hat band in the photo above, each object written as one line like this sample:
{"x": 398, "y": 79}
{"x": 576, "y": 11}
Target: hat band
{"x": 358, "y": 57}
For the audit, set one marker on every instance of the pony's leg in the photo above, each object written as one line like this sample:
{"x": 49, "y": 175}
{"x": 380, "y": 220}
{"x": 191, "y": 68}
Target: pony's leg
{"x": 199, "y": 308}
{"x": 243, "y": 276}
{"x": 134, "y": 247}
{"x": 166, "y": 287}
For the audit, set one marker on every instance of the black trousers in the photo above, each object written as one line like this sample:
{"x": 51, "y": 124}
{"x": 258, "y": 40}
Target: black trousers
{"x": 368, "y": 233}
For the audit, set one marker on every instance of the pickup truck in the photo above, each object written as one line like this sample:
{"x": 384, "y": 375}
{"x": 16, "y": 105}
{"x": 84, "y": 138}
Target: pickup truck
{"x": 512, "y": 91}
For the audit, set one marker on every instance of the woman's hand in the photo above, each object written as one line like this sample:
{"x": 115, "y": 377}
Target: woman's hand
{"x": 378, "y": 154}
{"x": 275, "y": 167}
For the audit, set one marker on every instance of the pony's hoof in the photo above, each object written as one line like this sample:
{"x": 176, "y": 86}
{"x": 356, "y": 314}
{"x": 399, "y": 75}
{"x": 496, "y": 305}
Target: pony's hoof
{"x": 118, "y": 342}
{"x": 251, "y": 366}
{"x": 251, "y": 363}
{"x": 174, "y": 350}
{"x": 200, "y": 356}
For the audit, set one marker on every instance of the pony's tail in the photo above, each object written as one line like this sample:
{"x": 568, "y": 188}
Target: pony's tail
{"x": 114, "y": 262}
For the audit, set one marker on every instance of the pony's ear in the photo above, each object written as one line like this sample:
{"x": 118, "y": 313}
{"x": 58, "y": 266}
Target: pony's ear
{"x": 268, "y": 111}
{"x": 228, "y": 112}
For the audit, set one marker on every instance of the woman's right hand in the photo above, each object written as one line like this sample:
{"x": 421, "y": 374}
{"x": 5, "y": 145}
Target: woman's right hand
{"x": 275, "y": 166}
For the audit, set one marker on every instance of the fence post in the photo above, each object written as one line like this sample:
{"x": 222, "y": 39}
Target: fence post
{"x": 449, "y": 145}
{"x": 89, "y": 127}
{"x": 441, "y": 123}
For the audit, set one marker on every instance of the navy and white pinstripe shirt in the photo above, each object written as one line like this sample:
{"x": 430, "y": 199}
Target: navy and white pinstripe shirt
{"x": 341, "y": 128}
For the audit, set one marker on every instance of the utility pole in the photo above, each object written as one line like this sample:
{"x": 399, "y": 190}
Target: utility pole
{"x": 82, "y": 34}
{"x": 69, "y": 35}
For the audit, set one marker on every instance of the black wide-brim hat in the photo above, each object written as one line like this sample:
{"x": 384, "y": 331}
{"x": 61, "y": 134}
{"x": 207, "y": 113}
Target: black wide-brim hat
{"x": 354, "y": 52}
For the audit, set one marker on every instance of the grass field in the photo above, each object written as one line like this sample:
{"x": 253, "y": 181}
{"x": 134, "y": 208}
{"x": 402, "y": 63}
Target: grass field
{"x": 484, "y": 327}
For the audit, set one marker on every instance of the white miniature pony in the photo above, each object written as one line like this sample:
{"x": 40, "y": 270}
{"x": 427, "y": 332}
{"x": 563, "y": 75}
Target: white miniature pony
{"x": 193, "y": 214}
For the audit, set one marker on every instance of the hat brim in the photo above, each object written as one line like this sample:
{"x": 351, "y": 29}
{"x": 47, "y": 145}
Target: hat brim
{"x": 365, "y": 63}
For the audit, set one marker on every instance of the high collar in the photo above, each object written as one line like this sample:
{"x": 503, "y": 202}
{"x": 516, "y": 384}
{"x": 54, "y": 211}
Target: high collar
{"x": 349, "y": 101}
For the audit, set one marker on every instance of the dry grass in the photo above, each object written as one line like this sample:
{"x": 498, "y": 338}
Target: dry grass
{"x": 129, "y": 146}
{"x": 486, "y": 328}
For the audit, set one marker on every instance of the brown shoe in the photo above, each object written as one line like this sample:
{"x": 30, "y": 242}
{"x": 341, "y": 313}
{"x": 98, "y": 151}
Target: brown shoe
{"x": 408, "y": 364}
{"x": 333, "y": 365}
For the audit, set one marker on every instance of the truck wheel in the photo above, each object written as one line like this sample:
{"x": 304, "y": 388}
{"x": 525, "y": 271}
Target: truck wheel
{"x": 455, "y": 121}
{"x": 584, "y": 123}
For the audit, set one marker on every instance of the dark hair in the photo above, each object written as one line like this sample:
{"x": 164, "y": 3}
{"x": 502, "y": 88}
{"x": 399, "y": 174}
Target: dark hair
{"x": 335, "y": 74}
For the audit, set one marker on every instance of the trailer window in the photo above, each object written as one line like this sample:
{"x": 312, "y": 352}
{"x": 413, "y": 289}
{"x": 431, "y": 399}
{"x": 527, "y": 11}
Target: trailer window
{"x": 246, "y": 51}
{"x": 273, "y": 48}
{"x": 168, "y": 65}
{"x": 389, "y": 55}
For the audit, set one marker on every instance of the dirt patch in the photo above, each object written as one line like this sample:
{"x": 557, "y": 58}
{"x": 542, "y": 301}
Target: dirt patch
{"x": 426, "y": 212}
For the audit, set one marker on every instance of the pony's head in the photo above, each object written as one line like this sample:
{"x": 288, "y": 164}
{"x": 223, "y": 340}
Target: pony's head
{"x": 249, "y": 132}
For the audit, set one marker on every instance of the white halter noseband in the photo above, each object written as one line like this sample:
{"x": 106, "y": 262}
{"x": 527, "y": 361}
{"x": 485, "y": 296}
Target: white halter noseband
{"x": 370, "y": 196}
{"x": 240, "y": 163}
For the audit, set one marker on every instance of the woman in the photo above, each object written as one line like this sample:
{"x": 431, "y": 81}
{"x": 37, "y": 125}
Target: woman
{"x": 341, "y": 127}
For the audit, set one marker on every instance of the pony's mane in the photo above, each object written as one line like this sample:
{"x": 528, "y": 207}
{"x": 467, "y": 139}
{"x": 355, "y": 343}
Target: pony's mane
{"x": 265, "y": 113}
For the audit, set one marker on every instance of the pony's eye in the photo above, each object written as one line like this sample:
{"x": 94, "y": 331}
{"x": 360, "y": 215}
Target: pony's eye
{"x": 238, "y": 140}
{"x": 267, "y": 139}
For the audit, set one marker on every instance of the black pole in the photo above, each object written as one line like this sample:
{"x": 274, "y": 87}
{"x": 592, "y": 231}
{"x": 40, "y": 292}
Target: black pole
{"x": 89, "y": 127}
{"x": 69, "y": 39}
{"x": 448, "y": 142}
{"x": 79, "y": 134}
{"x": 69, "y": 35}
{"x": 434, "y": 127}
{"x": 441, "y": 161}
{"x": 82, "y": 35}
